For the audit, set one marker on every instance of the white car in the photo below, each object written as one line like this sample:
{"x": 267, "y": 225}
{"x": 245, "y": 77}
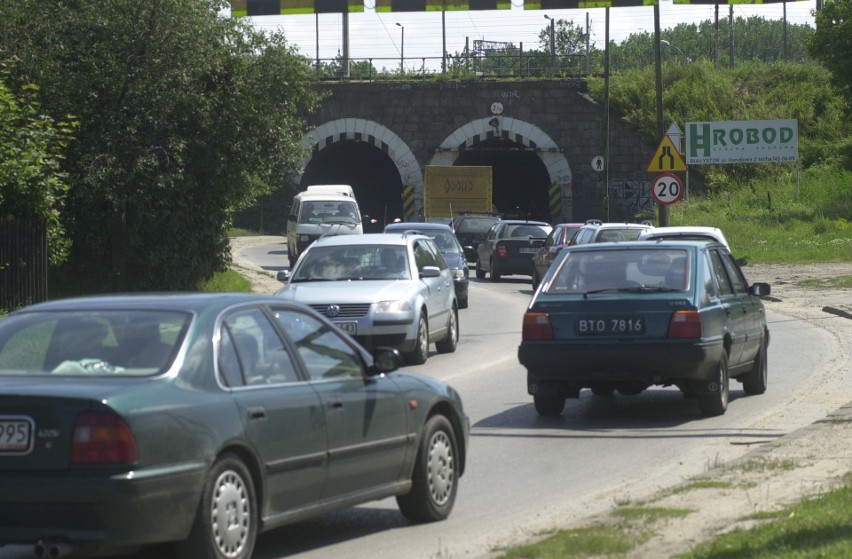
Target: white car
{"x": 384, "y": 289}
{"x": 685, "y": 233}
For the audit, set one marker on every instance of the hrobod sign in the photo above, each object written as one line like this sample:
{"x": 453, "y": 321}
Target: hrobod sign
{"x": 742, "y": 141}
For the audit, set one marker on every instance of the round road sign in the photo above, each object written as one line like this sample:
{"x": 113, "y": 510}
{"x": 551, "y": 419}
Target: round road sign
{"x": 667, "y": 189}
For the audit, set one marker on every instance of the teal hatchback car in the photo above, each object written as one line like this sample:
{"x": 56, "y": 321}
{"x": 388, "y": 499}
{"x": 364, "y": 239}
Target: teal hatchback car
{"x": 205, "y": 419}
{"x": 621, "y": 317}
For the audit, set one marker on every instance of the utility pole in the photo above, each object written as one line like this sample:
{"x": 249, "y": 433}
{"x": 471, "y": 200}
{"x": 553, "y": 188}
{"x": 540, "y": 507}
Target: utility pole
{"x": 552, "y": 44}
{"x": 588, "y": 55}
{"x": 402, "y": 50}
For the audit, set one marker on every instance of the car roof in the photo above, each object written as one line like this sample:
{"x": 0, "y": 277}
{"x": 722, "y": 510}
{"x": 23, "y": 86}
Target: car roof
{"x": 397, "y": 238}
{"x": 417, "y": 226}
{"x": 524, "y": 222}
{"x": 684, "y": 230}
{"x": 610, "y": 225}
{"x": 162, "y": 301}
{"x": 637, "y": 245}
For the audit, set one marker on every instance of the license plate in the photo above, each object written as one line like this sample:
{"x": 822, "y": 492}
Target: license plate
{"x": 348, "y": 327}
{"x": 16, "y": 434}
{"x": 620, "y": 326}
{"x": 527, "y": 250}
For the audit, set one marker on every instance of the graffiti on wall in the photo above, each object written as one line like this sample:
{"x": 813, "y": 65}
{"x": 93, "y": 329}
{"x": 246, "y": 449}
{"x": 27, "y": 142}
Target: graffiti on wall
{"x": 630, "y": 196}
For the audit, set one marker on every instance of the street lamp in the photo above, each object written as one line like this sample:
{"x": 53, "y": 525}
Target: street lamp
{"x": 401, "y": 49}
{"x": 668, "y": 44}
{"x": 552, "y": 42}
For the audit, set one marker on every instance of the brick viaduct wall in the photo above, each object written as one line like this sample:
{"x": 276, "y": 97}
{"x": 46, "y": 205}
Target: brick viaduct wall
{"x": 427, "y": 123}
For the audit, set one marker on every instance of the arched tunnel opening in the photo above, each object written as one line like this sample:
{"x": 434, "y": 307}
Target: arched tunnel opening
{"x": 371, "y": 173}
{"x": 520, "y": 180}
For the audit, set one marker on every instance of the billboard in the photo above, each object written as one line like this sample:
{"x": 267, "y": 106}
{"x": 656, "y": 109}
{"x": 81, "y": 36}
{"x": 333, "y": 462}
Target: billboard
{"x": 741, "y": 141}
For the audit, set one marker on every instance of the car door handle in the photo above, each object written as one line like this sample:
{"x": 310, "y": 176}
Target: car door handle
{"x": 335, "y": 403}
{"x": 256, "y": 413}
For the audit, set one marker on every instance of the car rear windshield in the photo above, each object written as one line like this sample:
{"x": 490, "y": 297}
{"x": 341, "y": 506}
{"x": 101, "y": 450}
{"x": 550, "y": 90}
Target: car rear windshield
{"x": 641, "y": 271}
{"x": 120, "y": 342}
{"x": 475, "y": 224}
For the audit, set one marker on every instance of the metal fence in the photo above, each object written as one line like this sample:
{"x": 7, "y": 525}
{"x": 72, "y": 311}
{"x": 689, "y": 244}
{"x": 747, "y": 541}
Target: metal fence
{"x": 23, "y": 263}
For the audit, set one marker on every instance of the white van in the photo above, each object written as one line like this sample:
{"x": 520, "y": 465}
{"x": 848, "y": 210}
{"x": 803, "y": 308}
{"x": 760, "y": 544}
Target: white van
{"x": 321, "y": 210}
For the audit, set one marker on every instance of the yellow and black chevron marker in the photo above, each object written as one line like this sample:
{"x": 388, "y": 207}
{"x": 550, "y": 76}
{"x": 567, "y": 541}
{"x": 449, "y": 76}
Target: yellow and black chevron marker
{"x": 408, "y": 201}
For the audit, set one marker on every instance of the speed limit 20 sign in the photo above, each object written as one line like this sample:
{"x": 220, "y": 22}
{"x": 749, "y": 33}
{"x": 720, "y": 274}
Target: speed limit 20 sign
{"x": 667, "y": 189}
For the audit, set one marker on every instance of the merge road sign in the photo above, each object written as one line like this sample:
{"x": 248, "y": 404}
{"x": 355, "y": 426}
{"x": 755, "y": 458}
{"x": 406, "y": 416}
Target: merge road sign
{"x": 667, "y": 158}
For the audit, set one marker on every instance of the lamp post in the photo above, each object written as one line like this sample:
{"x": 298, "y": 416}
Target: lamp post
{"x": 401, "y": 49}
{"x": 668, "y": 44}
{"x": 552, "y": 42}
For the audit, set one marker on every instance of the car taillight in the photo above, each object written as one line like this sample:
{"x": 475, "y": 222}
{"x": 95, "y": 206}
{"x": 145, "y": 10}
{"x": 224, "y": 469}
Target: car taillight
{"x": 102, "y": 438}
{"x": 501, "y": 250}
{"x": 537, "y": 326}
{"x": 685, "y": 324}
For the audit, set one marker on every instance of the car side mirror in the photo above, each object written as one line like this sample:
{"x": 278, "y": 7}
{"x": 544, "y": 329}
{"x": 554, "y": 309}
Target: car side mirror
{"x": 760, "y": 289}
{"x": 385, "y": 360}
{"x": 283, "y": 275}
{"x": 430, "y": 272}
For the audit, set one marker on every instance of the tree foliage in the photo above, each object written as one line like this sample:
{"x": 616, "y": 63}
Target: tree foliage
{"x": 831, "y": 44}
{"x": 185, "y": 116}
{"x": 32, "y": 183}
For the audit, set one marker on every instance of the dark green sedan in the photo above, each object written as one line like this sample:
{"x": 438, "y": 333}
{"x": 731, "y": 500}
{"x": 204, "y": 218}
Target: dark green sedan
{"x": 621, "y": 317}
{"x": 205, "y": 419}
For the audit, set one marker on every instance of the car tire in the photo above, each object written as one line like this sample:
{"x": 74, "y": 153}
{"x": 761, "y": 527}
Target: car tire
{"x": 420, "y": 353}
{"x": 495, "y": 275}
{"x": 480, "y": 273}
{"x": 756, "y": 381}
{"x": 449, "y": 343}
{"x": 716, "y": 402}
{"x": 228, "y": 496}
{"x": 434, "y": 482}
{"x": 549, "y": 405}
{"x": 463, "y": 303}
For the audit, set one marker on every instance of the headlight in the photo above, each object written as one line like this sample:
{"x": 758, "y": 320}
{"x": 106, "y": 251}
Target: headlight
{"x": 393, "y": 306}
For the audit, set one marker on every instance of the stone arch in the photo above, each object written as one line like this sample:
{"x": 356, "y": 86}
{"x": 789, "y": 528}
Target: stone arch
{"x": 368, "y": 131}
{"x": 524, "y": 133}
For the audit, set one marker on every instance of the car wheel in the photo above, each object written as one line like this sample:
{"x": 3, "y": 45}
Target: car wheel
{"x": 434, "y": 482}
{"x": 480, "y": 273}
{"x": 716, "y": 402}
{"x": 549, "y": 405}
{"x": 420, "y": 353}
{"x": 226, "y": 523}
{"x": 463, "y": 303}
{"x": 495, "y": 275}
{"x": 755, "y": 382}
{"x": 449, "y": 343}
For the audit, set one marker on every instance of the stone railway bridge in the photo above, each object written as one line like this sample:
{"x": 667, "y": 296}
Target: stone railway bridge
{"x": 541, "y": 138}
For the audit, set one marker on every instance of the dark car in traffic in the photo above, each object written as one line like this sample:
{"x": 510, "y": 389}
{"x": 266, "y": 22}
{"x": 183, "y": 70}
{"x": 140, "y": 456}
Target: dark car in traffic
{"x": 450, "y": 248}
{"x": 621, "y": 317}
{"x": 558, "y": 239}
{"x": 469, "y": 229}
{"x": 508, "y": 247}
{"x": 202, "y": 420}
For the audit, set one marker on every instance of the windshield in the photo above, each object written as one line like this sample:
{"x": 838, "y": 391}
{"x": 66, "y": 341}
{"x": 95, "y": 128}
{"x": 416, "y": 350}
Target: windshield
{"x": 475, "y": 225}
{"x": 329, "y": 211}
{"x": 652, "y": 270}
{"x": 358, "y": 262}
{"x": 125, "y": 342}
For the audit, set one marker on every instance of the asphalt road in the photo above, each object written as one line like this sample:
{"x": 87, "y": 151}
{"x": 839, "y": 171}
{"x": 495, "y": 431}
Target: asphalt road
{"x": 528, "y": 474}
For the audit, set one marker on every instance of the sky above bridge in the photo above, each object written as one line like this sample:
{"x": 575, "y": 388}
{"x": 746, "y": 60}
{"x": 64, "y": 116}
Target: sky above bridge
{"x": 377, "y": 35}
